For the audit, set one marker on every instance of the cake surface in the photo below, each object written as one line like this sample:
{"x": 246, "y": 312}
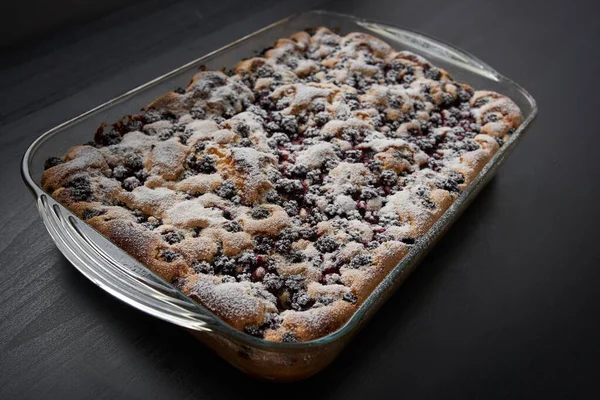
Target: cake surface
{"x": 280, "y": 194}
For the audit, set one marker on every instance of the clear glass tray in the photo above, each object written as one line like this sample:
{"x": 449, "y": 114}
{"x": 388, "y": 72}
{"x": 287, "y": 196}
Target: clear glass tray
{"x": 125, "y": 278}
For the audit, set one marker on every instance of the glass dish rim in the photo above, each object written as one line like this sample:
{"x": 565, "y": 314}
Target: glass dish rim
{"x": 416, "y": 251}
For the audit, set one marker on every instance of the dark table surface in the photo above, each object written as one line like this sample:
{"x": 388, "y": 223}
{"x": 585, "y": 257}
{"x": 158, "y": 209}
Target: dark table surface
{"x": 506, "y": 305}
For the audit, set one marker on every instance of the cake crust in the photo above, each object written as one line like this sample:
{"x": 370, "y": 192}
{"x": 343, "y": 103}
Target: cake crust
{"x": 280, "y": 194}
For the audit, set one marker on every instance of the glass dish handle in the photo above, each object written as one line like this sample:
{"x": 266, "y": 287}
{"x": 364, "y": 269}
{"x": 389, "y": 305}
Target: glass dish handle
{"x": 425, "y": 45}
{"x": 127, "y": 282}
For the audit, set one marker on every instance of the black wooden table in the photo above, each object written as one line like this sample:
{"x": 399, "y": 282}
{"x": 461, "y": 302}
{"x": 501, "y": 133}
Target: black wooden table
{"x": 506, "y": 305}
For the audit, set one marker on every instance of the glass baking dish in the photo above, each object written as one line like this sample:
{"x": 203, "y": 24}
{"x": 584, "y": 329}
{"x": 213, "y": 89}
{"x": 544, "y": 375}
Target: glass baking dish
{"x": 125, "y": 278}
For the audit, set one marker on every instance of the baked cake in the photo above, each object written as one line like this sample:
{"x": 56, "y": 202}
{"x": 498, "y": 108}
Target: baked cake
{"x": 279, "y": 194}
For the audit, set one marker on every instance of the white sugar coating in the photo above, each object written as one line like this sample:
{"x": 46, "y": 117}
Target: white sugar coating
{"x": 158, "y": 127}
{"x": 256, "y": 132}
{"x": 191, "y": 213}
{"x": 404, "y": 207}
{"x": 336, "y": 127}
{"x": 348, "y": 173}
{"x": 200, "y": 183}
{"x": 151, "y": 201}
{"x": 243, "y": 306}
{"x": 345, "y": 202}
{"x": 314, "y": 156}
{"x": 383, "y": 144}
{"x": 167, "y": 159}
{"x": 201, "y": 130}
{"x": 252, "y": 165}
{"x": 132, "y": 143}
{"x": 364, "y": 68}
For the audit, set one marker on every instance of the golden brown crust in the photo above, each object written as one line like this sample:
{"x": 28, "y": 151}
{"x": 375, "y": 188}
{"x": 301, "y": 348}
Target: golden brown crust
{"x": 280, "y": 196}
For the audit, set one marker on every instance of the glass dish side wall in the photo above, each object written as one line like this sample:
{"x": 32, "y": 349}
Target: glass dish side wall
{"x": 120, "y": 274}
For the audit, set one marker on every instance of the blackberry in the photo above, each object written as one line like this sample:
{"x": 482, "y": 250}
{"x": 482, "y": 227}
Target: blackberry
{"x": 300, "y": 300}
{"x": 349, "y": 297}
{"x": 480, "y": 102}
{"x": 433, "y": 73}
{"x": 295, "y": 282}
{"x": 52, "y": 162}
{"x": 307, "y": 233}
{"x": 360, "y": 260}
{"x": 151, "y": 116}
{"x": 131, "y": 183}
{"x": 447, "y": 99}
{"x": 81, "y": 188}
{"x": 169, "y": 255}
{"x": 151, "y": 224}
{"x": 295, "y": 256}
{"x": 367, "y": 193}
{"x": 263, "y": 244}
{"x": 289, "y": 125}
{"x": 172, "y": 237}
{"x": 202, "y": 267}
{"x": 289, "y": 337}
{"x": 260, "y": 213}
{"x": 272, "y": 127}
{"x": 204, "y": 164}
{"x": 107, "y": 138}
{"x": 166, "y": 134}
{"x": 322, "y": 118}
{"x": 133, "y": 161}
{"x": 291, "y": 207}
{"x": 120, "y": 172}
{"x": 272, "y": 197}
{"x": 232, "y": 226}
{"x": 257, "y": 111}
{"x": 227, "y": 189}
{"x": 464, "y": 96}
{"x": 332, "y": 279}
{"x": 134, "y": 125}
{"x": 389, "y": 177}
{"x": 266, "y": 103}
{"x": 272, "y": 282}
{"x": 280, "y": 138}
{"x": 325, "y": 299}
{"x": 353, "y": 156}
{"x": 226, "y": 265}
{"x": 289, "y": 186}
{"x": 326, "y": 244}
{"x": 330, "y": 164}
{"x": 254, "y": 331}
{"x": 491, "y": 118}
{"x": 247, "y": 260}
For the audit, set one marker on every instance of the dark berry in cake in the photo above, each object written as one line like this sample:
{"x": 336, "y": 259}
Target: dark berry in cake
{"x": 169, "y": 255}
{"x": 289, "y": 337}
{"x": 326, "y": 244}
{"x": 232, "y": 226}
{"x": 260, "y": 213}
{"x": 131, "y": 183}
{"x": 81, "y": 188}
{"x": 263, "y": 244}
{"x": 172, "y": 237}
{"x": 227, "y": 189}
{"x": 350, "y": 297}
{"x": 203, "y": 267}
{"x": 52, "y": 162}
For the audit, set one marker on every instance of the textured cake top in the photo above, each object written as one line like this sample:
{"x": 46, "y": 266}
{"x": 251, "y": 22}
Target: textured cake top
{"x": 279, "y": 195}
